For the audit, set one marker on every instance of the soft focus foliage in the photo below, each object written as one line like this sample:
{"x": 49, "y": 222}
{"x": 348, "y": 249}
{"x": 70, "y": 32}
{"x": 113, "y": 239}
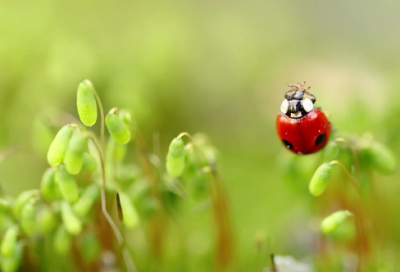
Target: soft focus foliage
{"x": 214, "y": 67}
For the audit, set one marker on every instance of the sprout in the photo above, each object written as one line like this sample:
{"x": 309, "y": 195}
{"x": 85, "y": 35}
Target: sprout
{"x": 86, "y": 103}
{"x": 62, "y": 240}
{"x": 9, "y": 241}
{"x": 333, "y": 221}
{"x": 85, "y": 203}
{"x": 48, "y": 186}
{"x": 176, "y": 158}
{"x": 59, "y": 145}
{"x": 28, "y": 218}
{"x": 320, "y": 179}
{"x": 73, "y": 158}
{"x": 67, "y": 183}
{"x": 130, "y": 215}
{"x": 71, "y": 222}
{"x": 117, "y": 128}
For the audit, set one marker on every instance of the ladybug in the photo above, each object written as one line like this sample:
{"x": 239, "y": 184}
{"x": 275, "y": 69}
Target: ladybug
{"x": 302, "y": 128}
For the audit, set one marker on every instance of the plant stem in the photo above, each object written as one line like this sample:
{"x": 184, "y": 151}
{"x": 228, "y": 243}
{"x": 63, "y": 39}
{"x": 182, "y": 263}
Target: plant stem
{"x": 352, "y": 180}
{"x": 117, "y": 233}
{"x": 101, "y": 109}
{"x": 353, "y": 152}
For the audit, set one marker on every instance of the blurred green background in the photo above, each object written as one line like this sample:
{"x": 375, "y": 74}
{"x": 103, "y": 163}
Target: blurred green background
{"x": 218, "y": 67}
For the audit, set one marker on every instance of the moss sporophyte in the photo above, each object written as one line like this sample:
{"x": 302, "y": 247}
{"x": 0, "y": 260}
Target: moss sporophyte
{"x": 75, "y": 209}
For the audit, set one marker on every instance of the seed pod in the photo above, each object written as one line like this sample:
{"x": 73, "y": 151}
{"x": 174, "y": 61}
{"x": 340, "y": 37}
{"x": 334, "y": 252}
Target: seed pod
{"x": 320, "y": 179}
{"x": 12, "y": 262}
{"x": 126, "y": 116}
{"x": 48, "y": 186}
{"x": 9, "y": 241}
{"x": 4, "y": 206}
{"x": 381, "y": 158}
{"x": 333, "y": 221}
{"x": 190, "y": 161}
{"x": 89, "y": 164}
{"x": 86, "y": 103}
{"x": 59, "y": 145}
{"x": 28, "y": 219}
{"x": 130, "y": 215}
{"x": 46, "y": 220}
{"x": 176, "y": 158}
{"x": 118, "y": 129}
{"x": 85, "y": 202}
{"x": 71, "y": 222}
{"x": 62, "y": 240}
{"x": 67, "y": 183}
{"x": 73, "y": 158}
{"x": 22, "y": 199}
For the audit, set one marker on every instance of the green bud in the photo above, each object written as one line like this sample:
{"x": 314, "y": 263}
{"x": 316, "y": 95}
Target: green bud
{"x": 9, "y": 241}
{"x": 62, "y": 241}
{"x": 120, "y": 152}
{"x": 176, "y": 158}
{"x": 320, "y": 179}
{"x": 71, "y": 222}
{"x": 59, "y": 145}
{"x": 333, "y": 221}
{"x": 67, "y": 184}
{"x": 126, "y": 116}
{"x": 190, "y": 161}
{"x": 381, "y": 158}
{"x": 46, "y": 220}
{"x": 12, "y": 262}
{"x": 73, "y": 158}
{"x": 4, "y": 206}
{"x": 89, "y": 164}
{"x": 48, "y": 186}
{"x": 118, "y": 129}
{"x": 28, "y": 219}
{"x": 130, "y": 215}
{"x": 86, "y": 103}
{"x": 22, "y": 199}
{"x": 85, "y": 202}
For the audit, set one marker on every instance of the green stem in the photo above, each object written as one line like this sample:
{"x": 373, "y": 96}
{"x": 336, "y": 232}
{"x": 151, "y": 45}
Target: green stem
{"x": 101, "y": 109}
{"x": 353, "y": 152}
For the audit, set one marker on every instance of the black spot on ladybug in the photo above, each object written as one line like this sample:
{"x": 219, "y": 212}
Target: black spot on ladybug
{"x": 320, "y": 139}
{"x": 287, "y": 144}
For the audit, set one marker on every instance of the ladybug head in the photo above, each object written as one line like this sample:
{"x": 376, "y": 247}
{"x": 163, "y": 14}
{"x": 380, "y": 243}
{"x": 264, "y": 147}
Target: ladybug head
{"x": 298, "y": 101}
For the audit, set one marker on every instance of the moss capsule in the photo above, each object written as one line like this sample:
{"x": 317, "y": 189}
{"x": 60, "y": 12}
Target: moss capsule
{"x": 118, "y": 129}
{"x": 4, "y": 206}
{"x": 22, "y": 199}
{"x": 46, "y": 220}
{"x": 176, "y": 158}
{"x": 85, "y": 202}
{"x": 27, "y": 220}
{"x": 86, "y": 103}
{"x": 67, "y": 184}
{"x": 89, "y": 164}
{"x": 130, "y": 215}
{"x": 12, "y": 262}
{"x": 62, "y": 241}
{"x": 48, "y": 186}
{"x": 73, "y": 158}
{"x": 59, "y": 145}
{"x": 333, "y": 221}
{"x": 71, "y": 222}
{"x": 320, "y": 179}
{"x": 381, "y": 158}
{"x": 9, "y": 241}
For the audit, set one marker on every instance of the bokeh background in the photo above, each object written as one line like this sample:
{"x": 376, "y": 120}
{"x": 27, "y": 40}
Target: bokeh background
{"x": 218, "y": 67}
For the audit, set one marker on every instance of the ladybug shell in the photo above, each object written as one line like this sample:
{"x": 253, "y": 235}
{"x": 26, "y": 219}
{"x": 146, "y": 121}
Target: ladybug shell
{"x": 304, "y": 135}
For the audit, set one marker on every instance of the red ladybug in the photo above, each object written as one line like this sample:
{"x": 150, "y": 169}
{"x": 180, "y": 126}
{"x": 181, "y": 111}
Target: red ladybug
{"x": 302, "y": 128}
